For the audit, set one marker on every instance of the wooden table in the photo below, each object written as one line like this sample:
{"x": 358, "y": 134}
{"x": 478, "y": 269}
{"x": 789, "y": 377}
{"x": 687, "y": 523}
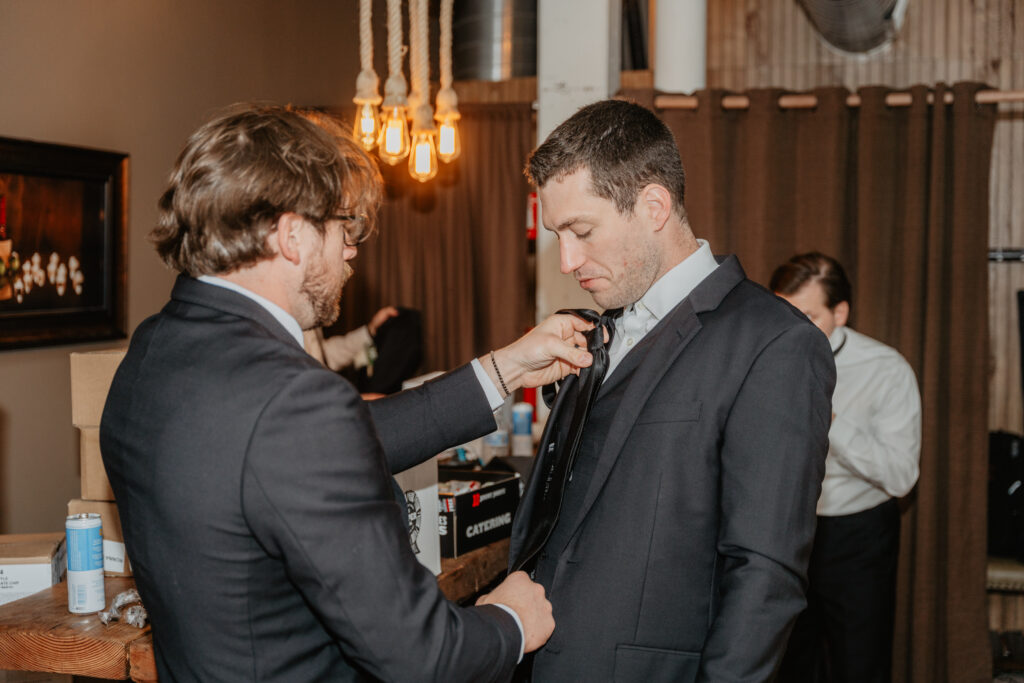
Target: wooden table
{"x": 38, "y": 633}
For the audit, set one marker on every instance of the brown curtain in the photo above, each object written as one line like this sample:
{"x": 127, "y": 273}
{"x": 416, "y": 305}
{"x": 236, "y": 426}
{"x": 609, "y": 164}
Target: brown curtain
{"x": 900, "y": 196}
{"x": 454, "y": 247}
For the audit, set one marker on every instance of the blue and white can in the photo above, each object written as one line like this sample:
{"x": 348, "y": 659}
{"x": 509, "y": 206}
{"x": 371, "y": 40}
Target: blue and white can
{"x": 522, "y": 429}
{"x": 522, "y": 419}
{"x": 85, "y": 563}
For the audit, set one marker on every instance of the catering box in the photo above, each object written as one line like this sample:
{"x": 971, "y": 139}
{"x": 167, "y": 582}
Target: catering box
{"x": 95, "y": 485}
{"x": 115, "y": 561}
{"x": 29, "y": 563}
{"x": 478, "y": 510}
{"x": 91, "y": 375}
{"x": 419, "y": 484}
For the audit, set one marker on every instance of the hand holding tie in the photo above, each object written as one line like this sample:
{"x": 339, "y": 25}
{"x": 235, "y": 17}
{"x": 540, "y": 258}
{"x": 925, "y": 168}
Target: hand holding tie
{"x": 545, "y": 354}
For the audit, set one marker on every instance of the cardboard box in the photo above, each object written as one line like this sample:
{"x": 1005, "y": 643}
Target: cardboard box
{"x": 95, "y": 485}
{"x": 474, "y": 518}
{"x": 421, "y": 504}
{"x": 91, "y": 375}
{"x": 29, "y": 563}
{"x": 115, "y": 561}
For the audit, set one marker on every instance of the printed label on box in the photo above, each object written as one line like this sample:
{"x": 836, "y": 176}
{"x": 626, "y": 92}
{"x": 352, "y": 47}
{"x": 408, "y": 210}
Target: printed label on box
{"x": 113, "y": 557}
{"x": 473, "y": 518}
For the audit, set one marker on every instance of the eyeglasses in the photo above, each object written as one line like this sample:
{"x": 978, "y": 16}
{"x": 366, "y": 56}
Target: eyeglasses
{"x": 356, "y": 230}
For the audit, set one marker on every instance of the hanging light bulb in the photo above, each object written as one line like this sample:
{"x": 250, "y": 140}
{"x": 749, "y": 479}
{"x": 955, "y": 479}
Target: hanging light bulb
{"x": 394, "y": 136}
{"x": 423, "y": 158}
{"x": 393, "y": 141}
{"x": 367, "y": 124}
{"x": 449, "y": 146}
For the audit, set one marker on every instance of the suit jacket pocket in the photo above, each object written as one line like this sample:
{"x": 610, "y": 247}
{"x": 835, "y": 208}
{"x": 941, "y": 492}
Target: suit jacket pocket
{"x": 681, "y": 411}
{"x": 636, "y": 664}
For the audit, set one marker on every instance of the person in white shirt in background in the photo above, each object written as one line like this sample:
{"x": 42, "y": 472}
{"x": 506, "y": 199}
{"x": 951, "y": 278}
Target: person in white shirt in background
{"x": 351, "y": 348}
{"x": 845, "y": 634}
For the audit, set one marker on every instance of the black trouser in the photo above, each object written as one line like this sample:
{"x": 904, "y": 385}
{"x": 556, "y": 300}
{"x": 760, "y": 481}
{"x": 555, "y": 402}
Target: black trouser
{"x": 845, "y": 634}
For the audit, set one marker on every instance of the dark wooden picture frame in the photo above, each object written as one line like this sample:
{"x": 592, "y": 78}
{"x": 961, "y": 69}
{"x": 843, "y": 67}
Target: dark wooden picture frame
{"x": 63, "y": 244}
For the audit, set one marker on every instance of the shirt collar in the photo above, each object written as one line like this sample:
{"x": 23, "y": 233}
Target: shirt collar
{"x": 282, "y": 316}
{"x": 837, "y": 339}
{"x": 676, "y": 284}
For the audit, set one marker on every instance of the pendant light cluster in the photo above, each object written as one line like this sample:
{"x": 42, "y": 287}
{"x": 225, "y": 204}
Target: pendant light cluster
{"x": 384, "y": 123}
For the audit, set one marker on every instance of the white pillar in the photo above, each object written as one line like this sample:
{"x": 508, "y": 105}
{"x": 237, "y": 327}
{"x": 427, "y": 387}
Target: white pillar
{"x": 680, "y": 45}
{"x": 578, "y": 62}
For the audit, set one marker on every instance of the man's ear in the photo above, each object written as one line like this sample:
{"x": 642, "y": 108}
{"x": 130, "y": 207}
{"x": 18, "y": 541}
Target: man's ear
{"x": 656, "y": 203}
{"x": 842, "y": 313}
{"x": 286, "y": 239}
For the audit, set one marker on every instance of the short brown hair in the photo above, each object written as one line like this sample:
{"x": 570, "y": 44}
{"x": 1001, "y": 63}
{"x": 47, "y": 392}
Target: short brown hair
{"x": 245, "y": 168}
{"x": 813, "y": 267}
{"x": 623, "y": 145}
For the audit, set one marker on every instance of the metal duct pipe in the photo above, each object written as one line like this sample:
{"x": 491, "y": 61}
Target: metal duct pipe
{"x": 680, "y": 45}
{"x": 493, "y": 40}
{"x": 855, "y": 25}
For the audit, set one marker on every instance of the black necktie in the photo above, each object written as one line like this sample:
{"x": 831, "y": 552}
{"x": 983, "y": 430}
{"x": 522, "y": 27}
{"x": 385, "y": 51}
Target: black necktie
{"x": 555, "y": 459}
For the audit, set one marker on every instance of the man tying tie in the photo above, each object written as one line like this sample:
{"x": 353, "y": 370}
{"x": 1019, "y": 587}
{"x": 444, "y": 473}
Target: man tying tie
{"x": 677, "y": 549}
{"x": 253, "y": 484}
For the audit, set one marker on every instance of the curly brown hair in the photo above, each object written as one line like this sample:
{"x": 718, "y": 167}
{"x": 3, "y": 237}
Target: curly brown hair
{"x": 241, "y": 171}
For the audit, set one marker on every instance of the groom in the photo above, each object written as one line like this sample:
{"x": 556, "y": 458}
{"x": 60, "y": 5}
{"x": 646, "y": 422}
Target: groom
{"x": 681, "y": 548}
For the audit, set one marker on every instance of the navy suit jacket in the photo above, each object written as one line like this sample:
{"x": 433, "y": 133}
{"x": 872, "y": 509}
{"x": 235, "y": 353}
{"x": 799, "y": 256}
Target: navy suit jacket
{"x": 254, "y": 492}
{"x": 686, "y": 559}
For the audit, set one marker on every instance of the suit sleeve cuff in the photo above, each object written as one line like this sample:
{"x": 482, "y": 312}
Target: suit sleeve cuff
{"x": 519, "y": 624}
{"x": 493, "y": 397}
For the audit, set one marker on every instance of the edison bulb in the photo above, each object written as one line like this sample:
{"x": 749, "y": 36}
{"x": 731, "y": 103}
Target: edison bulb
{"x": 448, "y": 144}
{"x": 423, "y": 159}
{"x": 394, "y": 136}
{"x": 367, "y": 126}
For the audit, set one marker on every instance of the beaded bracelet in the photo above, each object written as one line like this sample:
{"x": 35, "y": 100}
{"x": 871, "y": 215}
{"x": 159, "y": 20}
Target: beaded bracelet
{"x": 500, "y": 378}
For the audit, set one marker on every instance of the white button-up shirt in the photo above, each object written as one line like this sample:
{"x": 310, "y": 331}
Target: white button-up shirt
{"x": 640, "y": 317}
{"x": 875, "y": 438}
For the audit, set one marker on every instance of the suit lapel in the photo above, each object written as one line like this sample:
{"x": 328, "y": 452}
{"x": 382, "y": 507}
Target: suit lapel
{"x": 668, "y": 340}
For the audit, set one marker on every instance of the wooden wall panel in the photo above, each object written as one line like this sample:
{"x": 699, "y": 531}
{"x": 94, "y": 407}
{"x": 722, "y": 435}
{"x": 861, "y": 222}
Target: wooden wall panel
{"x": 770, "y": 43}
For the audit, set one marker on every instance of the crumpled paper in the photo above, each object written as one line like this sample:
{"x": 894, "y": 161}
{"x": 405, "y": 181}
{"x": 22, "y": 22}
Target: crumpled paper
{"x": 135, "y": 614}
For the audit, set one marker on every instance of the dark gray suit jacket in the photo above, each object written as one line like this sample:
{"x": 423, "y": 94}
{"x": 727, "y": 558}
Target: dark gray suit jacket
{"x": 254, "y": 491}
{"x": 686, "y": 556}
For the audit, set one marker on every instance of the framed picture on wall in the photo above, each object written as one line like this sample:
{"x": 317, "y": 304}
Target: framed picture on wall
{"x": 63, "y": 244}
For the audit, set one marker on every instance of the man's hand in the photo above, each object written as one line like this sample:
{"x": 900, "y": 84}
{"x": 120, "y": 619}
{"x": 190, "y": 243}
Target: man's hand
{"x": 525, "y": 598}
{"x": 379, "y": 318}
{"x": 548, "y": 352}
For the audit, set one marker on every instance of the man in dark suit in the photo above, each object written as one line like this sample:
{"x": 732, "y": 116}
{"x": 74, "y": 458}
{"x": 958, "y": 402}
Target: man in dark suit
{"x": 253, "y": 483}
{"x": 681, "y": 549}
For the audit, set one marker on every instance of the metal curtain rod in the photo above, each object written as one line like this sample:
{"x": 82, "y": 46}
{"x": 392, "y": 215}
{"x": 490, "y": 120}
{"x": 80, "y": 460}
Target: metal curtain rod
{"x": 1006, "y": 255}
{"x": 896, "y": 99}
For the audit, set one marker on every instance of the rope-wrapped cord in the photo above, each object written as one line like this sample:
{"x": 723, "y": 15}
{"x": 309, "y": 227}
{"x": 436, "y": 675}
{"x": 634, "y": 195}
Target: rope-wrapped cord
{"x": 395, "y": 87}
{"x": 447, "y": 100}
{"x": 423, "y": 113}
{"x": 367, "y": 81}
{"x": 416, "y": 37}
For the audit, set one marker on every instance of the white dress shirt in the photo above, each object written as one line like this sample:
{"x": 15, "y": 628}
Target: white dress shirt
{"x": 640, "y": 317}
{"x": 875, "y": 438}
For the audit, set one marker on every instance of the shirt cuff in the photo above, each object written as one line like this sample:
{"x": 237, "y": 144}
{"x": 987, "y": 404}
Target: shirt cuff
{"x": 493, "y": 397}
{"x": 519, "y": 623}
